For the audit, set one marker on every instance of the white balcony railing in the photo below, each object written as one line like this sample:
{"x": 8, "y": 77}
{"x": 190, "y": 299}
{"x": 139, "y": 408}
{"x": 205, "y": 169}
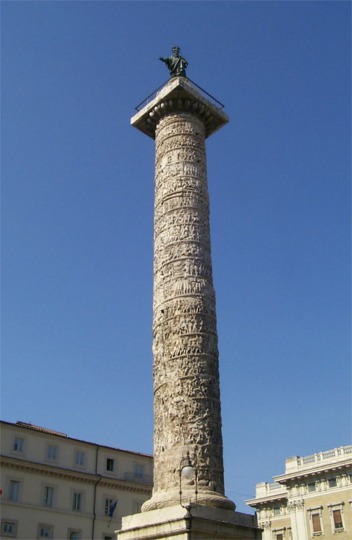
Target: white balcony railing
{"x": 337, "y": 454}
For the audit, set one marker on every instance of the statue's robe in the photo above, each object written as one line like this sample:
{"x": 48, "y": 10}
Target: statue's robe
{"x": 177, "y": 65}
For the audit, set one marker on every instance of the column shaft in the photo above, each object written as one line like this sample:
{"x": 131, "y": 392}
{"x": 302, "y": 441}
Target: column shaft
{"x": 187, "y": 414}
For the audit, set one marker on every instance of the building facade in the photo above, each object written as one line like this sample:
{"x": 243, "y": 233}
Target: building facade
{"x": 312, "y": 499}
{"x": 55, "y": 486}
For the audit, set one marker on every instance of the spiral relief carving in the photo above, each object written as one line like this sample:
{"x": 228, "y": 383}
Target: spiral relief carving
{"x": 187, "y": 412}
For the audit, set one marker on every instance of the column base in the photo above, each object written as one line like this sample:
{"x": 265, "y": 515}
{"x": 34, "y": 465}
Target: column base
{"x": 196, "y": 523}
{"x": 164, "y": 499}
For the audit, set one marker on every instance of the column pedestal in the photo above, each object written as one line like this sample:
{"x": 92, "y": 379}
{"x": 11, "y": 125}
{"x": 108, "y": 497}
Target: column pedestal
{"x": 199, "y": 523}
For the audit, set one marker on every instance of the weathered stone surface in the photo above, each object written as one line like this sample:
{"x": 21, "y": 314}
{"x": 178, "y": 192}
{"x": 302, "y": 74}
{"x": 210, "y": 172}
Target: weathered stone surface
{"x": 187, "y": 414}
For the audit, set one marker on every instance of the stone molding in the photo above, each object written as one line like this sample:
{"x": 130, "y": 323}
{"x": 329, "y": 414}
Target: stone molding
{"x": 295, "y": 505}
{"x": 70, "y": 474}
{"x": 177, "y": 96}
{"x": 198, "y": 523}
{"x": 182, "y": 105}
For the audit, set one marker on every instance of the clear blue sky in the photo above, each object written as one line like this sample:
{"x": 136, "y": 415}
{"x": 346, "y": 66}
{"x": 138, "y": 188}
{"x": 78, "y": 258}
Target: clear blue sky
{"x": 77, "y": 210}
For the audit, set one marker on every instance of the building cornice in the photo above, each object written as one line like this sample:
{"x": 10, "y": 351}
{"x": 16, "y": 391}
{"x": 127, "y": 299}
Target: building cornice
{"x": 71, "y": 474}
{"x": 267, "y": 494}
{"x": 260, "y": 501}
{"x": 313, "y": 471}
{"x": 57, "y": 434}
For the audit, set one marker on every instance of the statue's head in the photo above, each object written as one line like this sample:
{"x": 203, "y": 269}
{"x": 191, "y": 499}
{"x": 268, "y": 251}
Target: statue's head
{"x": 176, "y": 51}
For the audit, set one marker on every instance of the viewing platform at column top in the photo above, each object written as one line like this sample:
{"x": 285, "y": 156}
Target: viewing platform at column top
{"x": 179, "y": 95}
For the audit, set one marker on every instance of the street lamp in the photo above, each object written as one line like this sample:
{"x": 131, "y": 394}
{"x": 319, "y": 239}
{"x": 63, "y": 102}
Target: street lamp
{"x": 188, "y": 471}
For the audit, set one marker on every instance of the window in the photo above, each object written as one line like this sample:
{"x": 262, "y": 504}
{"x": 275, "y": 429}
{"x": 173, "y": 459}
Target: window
{"x": 276, "y": 511}
{"x": 45, "y": 531}
{"x": 79, "y": 458}
{"x": 108, "y": 504}
{"x": 332, "y": 482}
{"x": 315, "y": 520}
{"x": 107, "y": 537}
{"x": 18, "y": 444}
{"x": 77, "y": 502}
{"x": 279, "y": 534}
{"x": 8, "y": 527}
{"x": 14, "y": 490}
{"x": 48, "y": 496}
{"x": 312, "y": 486}
{"x": 52, "y": 452}
{"x": 138, "y": 470}
{"x": 110, "y": 464}
{"x": 74, "y": 534}
{"x": 316, "y": 524}
{"x": 337, "y": 518}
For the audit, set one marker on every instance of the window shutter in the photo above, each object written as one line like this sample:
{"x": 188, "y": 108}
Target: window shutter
{"x": 316, "y": 523}
{"x": 337, "y": 519}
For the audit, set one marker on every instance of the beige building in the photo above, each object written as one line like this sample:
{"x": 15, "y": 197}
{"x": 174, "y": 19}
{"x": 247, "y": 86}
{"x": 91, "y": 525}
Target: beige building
{"x": 312, "y": 499}
{"x": 55, "y": 486}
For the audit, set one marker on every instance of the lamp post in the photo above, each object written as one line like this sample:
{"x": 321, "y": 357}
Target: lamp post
{"x": 188, "y": 472}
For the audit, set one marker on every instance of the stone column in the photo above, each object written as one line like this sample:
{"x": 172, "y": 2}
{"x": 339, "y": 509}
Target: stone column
{"x": 187, "y": 416}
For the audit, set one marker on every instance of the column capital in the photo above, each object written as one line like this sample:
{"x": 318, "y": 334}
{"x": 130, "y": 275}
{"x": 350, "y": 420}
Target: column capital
{"x": 179, "y": 95}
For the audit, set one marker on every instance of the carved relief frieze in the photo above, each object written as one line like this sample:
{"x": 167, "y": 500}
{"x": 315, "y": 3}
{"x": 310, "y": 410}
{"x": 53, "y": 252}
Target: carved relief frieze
{"x": 185, "y": 344}
{"x": 184, "y": 249}
{"x": 190, "y": 305}
{"x": 181, "y": 216}
{"x": 178, "y": 185}
{"x": 191, "y": 199}
{"x": 177, "y": 143}
{"x": 170, "y": 230}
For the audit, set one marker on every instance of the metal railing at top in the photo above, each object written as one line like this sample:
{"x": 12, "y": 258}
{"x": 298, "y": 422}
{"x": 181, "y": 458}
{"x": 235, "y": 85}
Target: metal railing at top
{"x": 206, "y": 94}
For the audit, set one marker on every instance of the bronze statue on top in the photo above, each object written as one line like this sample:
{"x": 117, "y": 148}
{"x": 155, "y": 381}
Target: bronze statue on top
{"x": 176, "y": 64}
